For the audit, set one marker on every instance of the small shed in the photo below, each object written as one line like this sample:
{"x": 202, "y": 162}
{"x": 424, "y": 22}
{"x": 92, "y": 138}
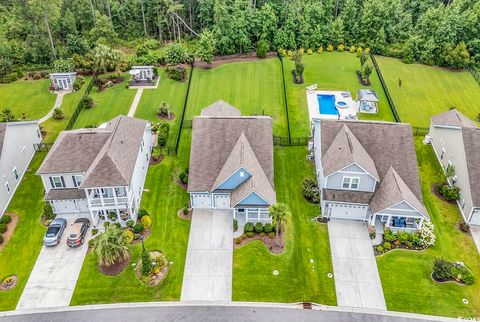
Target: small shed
{"x": 142, "y": 73}
{"x": 63, "y": 81}
{"x": 367, "y": 101}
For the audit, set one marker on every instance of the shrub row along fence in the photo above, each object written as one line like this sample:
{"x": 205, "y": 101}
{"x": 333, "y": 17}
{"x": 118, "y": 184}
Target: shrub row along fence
{"x": 182, "y": 119}
{"x": 285, "y": 95}
{"x": 385, "y": 89}
{"x": 286, "y": 141}
{"x": 81, "y": 104}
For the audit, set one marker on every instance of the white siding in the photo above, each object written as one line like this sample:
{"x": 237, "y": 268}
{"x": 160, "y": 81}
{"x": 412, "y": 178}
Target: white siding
{"x": 67, "y": 177}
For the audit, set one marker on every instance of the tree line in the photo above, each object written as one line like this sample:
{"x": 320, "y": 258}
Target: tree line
{"x": 436, "y": 32}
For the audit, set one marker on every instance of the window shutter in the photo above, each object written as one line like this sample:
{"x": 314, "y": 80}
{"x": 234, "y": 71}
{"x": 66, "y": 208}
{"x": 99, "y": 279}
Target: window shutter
{"x": 74, "y": 181}
{"x": 51, "y": 182}
{"x": 63, "y": 182}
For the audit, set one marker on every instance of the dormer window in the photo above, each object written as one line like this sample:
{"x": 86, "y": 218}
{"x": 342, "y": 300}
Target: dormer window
{"x": 242, "y": 174}
{"x": 350, "y": 183}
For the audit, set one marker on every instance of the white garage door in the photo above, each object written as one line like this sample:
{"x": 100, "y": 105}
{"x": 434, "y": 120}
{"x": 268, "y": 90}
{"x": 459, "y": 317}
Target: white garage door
{"x": 222, "y": 201}
{"x": 340, "y": 211}
{"x": 82, "y": 205}
{"x": 201, "y": 200}
{"x": 475, "y": 219}
{"x": 64, "y": 207}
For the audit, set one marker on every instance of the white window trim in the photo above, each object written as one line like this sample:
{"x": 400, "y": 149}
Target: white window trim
{"x": 350, "y": 179}
{"x": 61, "y": 182}
{"x": 77, "y": 184}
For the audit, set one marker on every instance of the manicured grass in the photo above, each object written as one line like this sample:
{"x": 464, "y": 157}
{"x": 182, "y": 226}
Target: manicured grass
{"x": 169, "y": 91}
{"x": 69, "y": 103}
{"x": 110, "y": 102}
{"x": 330, "y": 71}
{"x": 428, "y": 90}
{"x": 405, "y": 275}
{"x": 254, "y": 87}
{"x": 30, "y": 98}
{"x": 299, "y": 278}
{"x": 19, "y": 255}
{"x": 169, "y": 235}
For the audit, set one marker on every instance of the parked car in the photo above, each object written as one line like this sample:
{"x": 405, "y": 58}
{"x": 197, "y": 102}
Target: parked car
{"x": 54, "y": 233}
{"x": 78, "y": 230}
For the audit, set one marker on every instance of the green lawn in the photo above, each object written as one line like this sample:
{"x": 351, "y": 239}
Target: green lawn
{"x": 169, "y": 235}
{"x": 299, "y": 279}
{"x": 69, "y": 103}
{"x": 31, "y": 98}
{"x": 169, "y": 91}
{"x": 109, "y": 103}
{"x": 428, "y": 90}
{"x": 254, "y": 87}
{"x": 331, "y": 71}
{"x": 19, "y": 255}
{"x": 405, "y": 275}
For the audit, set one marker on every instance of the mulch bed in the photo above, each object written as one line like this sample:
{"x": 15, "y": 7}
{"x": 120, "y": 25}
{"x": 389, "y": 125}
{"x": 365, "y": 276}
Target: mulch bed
{"x": 10, "y": 229}
{"x": 439, "y": 196}
{"x": 271, "y": 243}
{"x": 294, "y": 79}
{"x": 116, "y": 268}
{"x": 188, "y": 216}
{"x": 165, "y": 117}
{"x": 459, "y": 224}
{"x": 450, "y": 280}
{"x": 360, "y": 79}
{"x": 7, "y": 287}
{"x": 155, "y": 279}
{"x": 143, "y": 236}
{"x": 182, "y": 185}
{"x": 157, "y": 161}
{"x": 220, "y": 60}
{"x": 44, "y": 133}
{"x": 399, "y": 247}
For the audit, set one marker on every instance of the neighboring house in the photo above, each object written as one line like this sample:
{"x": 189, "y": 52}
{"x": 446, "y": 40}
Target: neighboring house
{"x": 63, "y": 81}
{"x": 17, "y": 140}
{"x": 456, "y": 141}
{"x": 231, "y": 163}
{"x": 367, "y": 171}
{"x": 100, "y": 172}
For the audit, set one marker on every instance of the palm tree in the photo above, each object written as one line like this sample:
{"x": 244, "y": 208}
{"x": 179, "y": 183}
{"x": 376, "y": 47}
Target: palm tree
{"x": 111, "y": 246}
{"x": 104, "y": 57}
{"x": 279, "y": 213}
{"x": 450, "y": 171}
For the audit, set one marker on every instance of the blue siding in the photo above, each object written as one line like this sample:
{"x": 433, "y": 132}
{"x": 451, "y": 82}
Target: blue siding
{"x": 235, "y": 180}
{"x": 253, "y": 199}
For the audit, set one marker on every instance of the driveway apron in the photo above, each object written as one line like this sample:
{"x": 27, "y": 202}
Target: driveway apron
{"x": 208, "y": 266}
{"x": 55, "y": 274}
{"x": 357, "y": 281}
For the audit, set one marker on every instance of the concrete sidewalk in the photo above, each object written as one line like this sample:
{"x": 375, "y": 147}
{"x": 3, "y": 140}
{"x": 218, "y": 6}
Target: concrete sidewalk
{"x": 208, "y": 266}
{"x": 58, "y": 103}
{"x": 475, "y": 231}
{"x": 135, "y": 102}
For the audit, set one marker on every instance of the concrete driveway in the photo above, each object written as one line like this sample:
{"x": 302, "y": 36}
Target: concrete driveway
{"x": 55, "y": 274}
{"x": 208, "y": 266}
{"x": 357, "y": 282}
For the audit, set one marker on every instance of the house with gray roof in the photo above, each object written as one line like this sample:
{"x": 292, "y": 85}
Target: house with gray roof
{"x": 99, "y": 172}
{"x": 456, "y": 141}
{"x": 231, "y": 163}
{"x": 17, "y": 148}
{"x": 367, "y": 171}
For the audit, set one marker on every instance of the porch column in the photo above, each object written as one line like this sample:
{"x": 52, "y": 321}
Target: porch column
{"x": 101, "y": 196}
{"x": 258, "y": 214}
{"x": 234, "y": 213}
{"x": 92, "y": 216}
{"x": 373, "y": 220}
{"x": 420, "y": 224}
{"x": 388, "y": 222}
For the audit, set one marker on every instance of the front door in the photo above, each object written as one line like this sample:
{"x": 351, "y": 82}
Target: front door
{"x": 222, "y": 201}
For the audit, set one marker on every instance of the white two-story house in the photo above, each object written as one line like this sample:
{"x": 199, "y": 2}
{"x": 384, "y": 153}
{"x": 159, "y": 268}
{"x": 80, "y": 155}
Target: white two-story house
{"x": 367, "y": 171}
{"x": 17, "y": 141}
{"x": 99, "y": 172}
{"x": 456, "y": 141}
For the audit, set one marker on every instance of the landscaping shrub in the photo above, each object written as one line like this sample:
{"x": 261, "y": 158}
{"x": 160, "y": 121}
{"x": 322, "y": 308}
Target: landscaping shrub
{"x": 156, "y": 152}
{"x": 367, "y": 50}
{"x": 235, "y": 225}
{"x": 249, "y": 233}
{"x": 3, "y": 228}
{"x": 282, "y": 52}
{"x": 1, "y": 239}
{"x": 129, "y": 236}
{"x": 238, "y": 240}
{"x": 403, "y": 237}
{"x": 164, "y": 109}
{"x": 309, "y": 51}
{"x": 162, "y": 132}
{"x": 146, "y": 221}
{"x": 359, "y": 50}
{"x": 183, "y": 177}
{"x": 138, "y": 228}
{"x": 320, "y": 50}
{"x": 177, "y": 73}
{"x": 6, "y": 219}
{"x": 142, "y": 212}
{"x": 10, "y": 78}
{"x": 387, "y": 245}
{"x": 340, "y": 48}
{"x": 175, "y": 54}
{"x": 271, "y": 235}
{"x": 259, "y": 227}
{"x": 329, "y": 48}
{"x": 37, "y": 76}
{"x": 146, "y": 263}
{"x": 353, "y": 49}
{"x": 299, "y": 67}
{"x": 389, "y": 236}
{"x": 87, "y": 102}
{"x": 415, "y": 238}
{"x": 249, "y": 227}
{"x": 48, "y": 211}
{"x": 185, "y": 209}
{"x": 77, "y": 85}
{"x": 379, "y": 248}
{"x": 464, "y": 227}
{"x": 94, "y": 232}
{"x": 442, "y": 269}
{"x": 310, "y": 189}
{"x": 262, "y": 48}
{"x": 427, "y": 234}
{"x": 130, "y": 223}
{"x": 58, "y": 114}
{"x": 449, "y": 193}
{"x": 268, "y": 228}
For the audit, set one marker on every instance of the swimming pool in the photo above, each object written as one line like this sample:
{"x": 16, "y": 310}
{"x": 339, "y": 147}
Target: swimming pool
{"x": 326, "y": 104}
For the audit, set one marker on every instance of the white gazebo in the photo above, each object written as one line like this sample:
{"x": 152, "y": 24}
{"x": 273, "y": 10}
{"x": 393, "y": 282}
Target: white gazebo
{"x": 367, "y": 101}
{"x": 142, "y": 73}
{"x": 63, "y": 81}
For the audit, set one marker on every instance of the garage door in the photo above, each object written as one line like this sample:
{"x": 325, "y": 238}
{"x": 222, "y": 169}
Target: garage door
{"x": 201, "y": 200}
{"x": 64, "y": 207}
{"x": 222, "y": 201}
{"x": 82, "y": 205}
{"x": 353, "y": 212}
{"x": 475, "y": 219}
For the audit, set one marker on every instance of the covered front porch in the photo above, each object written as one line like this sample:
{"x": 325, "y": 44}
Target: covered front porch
{"x": 396, "y": 223}
{"x": 118, "y": 215}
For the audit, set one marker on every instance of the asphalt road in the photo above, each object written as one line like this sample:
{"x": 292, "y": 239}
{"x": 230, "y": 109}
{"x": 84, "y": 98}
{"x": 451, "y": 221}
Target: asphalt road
{"x": 203, "y": 313}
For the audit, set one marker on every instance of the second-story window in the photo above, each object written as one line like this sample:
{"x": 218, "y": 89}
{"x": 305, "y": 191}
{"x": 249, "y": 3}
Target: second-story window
{"x": 350, "y": 183}
{"x": 15, "y": 174}
{"x": 77, "y": 180}
{"x": 57, "y": 182}
{"x": 120, "y": 192}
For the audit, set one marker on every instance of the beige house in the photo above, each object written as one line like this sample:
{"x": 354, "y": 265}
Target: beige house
{"x": 456, "y": 141}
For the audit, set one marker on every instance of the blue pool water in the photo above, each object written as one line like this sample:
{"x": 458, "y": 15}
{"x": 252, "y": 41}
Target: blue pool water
{"x": 326, "y": 104}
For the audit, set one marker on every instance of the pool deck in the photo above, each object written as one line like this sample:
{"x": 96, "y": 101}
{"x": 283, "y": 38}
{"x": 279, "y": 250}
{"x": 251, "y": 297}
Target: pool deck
{"x": 314, "y": 109}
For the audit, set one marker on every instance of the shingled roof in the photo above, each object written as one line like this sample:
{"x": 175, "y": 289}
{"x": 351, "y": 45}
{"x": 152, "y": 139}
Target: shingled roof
{"x": 471, "y": 144}
{"x": 220, "y": 108}
{"x": 107, "y": 155}
{"x": 453, "y": 118}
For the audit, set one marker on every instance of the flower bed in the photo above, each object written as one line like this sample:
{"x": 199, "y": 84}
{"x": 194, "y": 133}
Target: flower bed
{"x": 264, "y": 233}
{"x": 158, "y": 272}
{"x": 445, "y": 271}
{"x": 9, "y": 221}
{"x": 8, "y": 283}
{"x": 115, "y": 268}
